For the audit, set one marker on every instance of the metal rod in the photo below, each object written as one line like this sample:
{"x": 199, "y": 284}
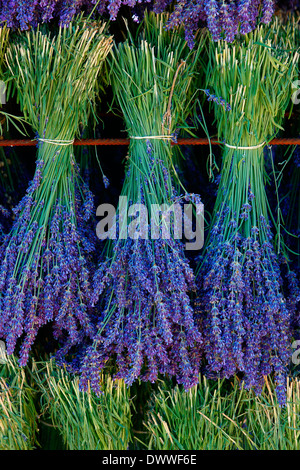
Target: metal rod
{"x": 110, "y": 142}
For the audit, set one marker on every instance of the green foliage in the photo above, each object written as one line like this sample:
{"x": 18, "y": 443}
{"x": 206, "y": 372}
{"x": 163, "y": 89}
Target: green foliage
{"x": 222, "y": 415}
{"x": 85, "y": 421}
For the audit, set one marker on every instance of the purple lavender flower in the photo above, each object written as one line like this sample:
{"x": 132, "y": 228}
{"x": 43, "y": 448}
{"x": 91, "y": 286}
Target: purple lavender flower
{"x": 139, "y": 325}
{"x": 296, "y": 156}
{"x": 268, "y": 9}
{"x": 218, "y": 100}
{"x": 245, "y": 317}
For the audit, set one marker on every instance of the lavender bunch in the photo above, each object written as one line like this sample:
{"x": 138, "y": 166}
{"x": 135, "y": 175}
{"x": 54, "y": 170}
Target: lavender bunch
{"x": 145, "y": 324}
{"x": 45, "y": 258}
{"x": 288, "y": 5}
{"x": 244, "y": 314}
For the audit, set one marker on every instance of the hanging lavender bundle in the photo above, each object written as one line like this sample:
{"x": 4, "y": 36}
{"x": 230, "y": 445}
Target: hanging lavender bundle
{"x": 14, "y": 178}
{"x": 244, "y": 316}
{"x": 141, "y": 289}
{"x": 45, "y": 259}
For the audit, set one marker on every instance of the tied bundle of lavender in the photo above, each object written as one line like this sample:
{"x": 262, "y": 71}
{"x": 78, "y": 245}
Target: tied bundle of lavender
{"x": 223, "y": 18}
{"x": 45, "y": 258}
{"x": 245, "y": 319}
{"x": 145, "y": 325}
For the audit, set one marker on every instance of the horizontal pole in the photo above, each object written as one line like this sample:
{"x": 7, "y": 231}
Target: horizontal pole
{"x": 110, "y": 142}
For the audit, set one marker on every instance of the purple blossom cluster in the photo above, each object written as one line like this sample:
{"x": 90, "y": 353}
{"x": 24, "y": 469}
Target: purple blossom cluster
{"x": 141, "y": 293}
{"x": 224, "y": 19}
{"x": 45, "y": 263}
{"x": 288, "y": 5}
{"x": 24, "y": 14}
{"x": 296, "y": 156}
{"x": 146, "y": 320}
{"x": 244, "y": 315}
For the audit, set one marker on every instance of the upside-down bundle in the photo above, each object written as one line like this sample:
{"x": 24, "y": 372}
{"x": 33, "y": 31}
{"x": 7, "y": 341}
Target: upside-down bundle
{"x": 245, "y": 319}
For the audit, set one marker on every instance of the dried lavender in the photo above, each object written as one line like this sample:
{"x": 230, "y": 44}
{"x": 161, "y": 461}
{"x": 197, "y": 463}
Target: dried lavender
{"x": 245, "y": 316}
{"x": 142, "y": 287}
{"x": 45, "y": 258}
